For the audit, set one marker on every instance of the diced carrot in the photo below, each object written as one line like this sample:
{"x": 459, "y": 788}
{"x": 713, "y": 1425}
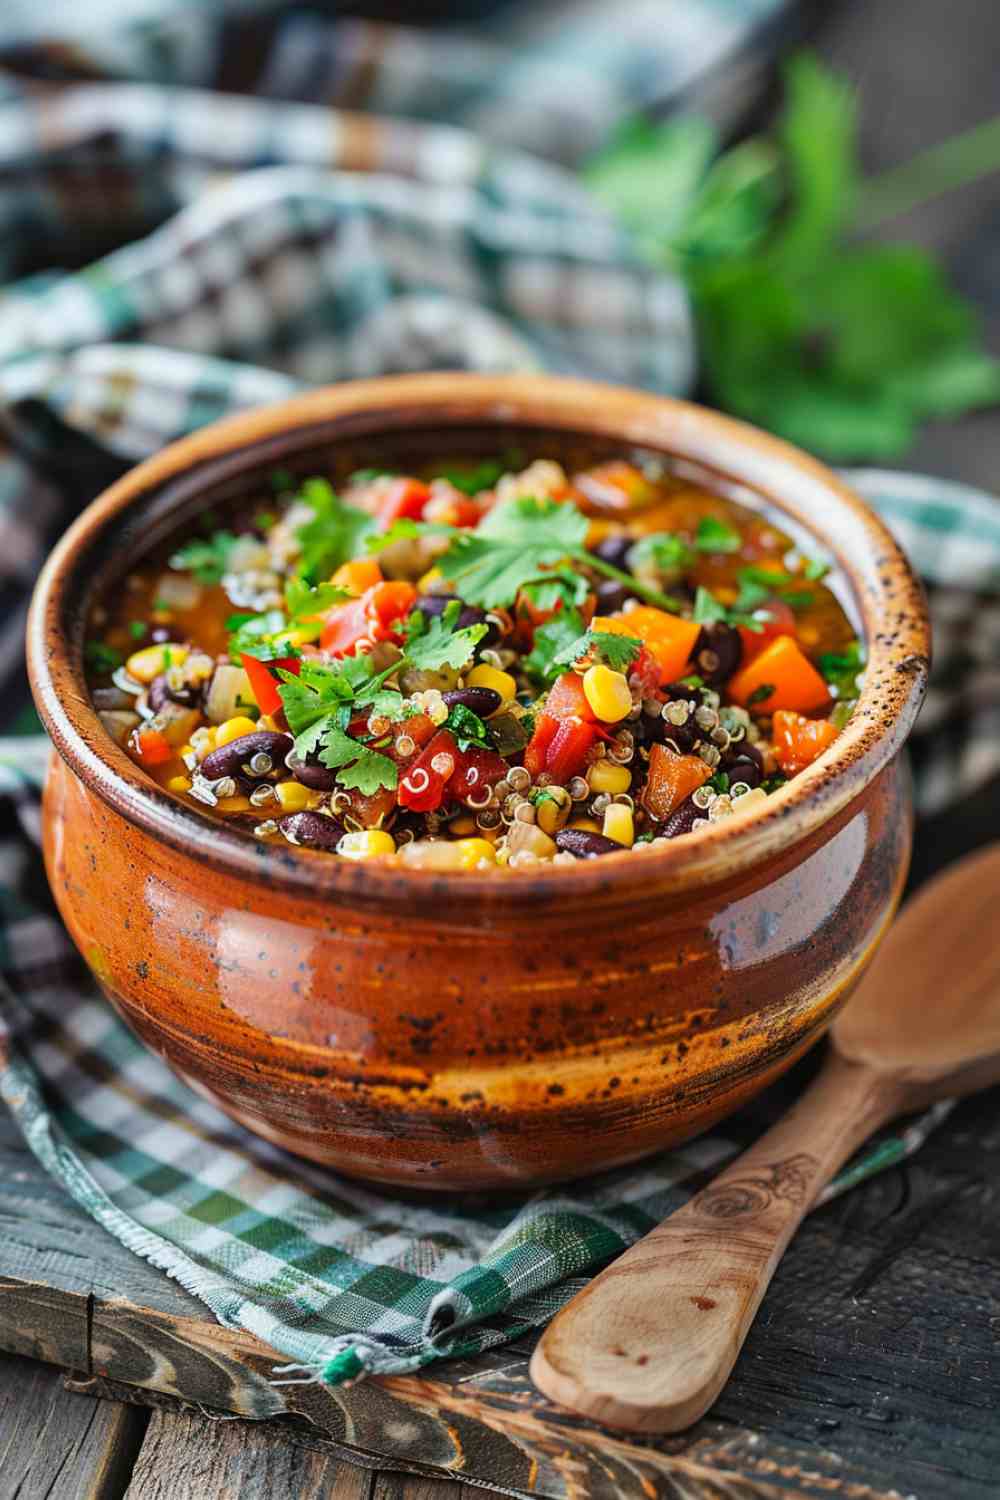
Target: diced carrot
{"x": 358, "y": 575}
{"x": 567, "y": 699}
{"x": 150, "y": 747}
{"x": 798, "y": 741}
{"x": 780, "y": 676}
{"x": 669, "y": 637}
{"x": 671, "y": 779}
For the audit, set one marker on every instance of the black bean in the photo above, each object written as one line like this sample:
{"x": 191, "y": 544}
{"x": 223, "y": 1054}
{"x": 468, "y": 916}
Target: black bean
{"x": 745, "y": 766}
{"x": 717, "y": 652}
{"x": 230, "y": 759}
{"x": 611, "y": 596}
{"x": 160, "y": 693}
{"x": 316, "y": 778}
{"x": 681, "y": 819}
{"x": 683, "y": 736}
{"x": 314, "y": 830}
{"x": 615, "y": 550}
{"x": 586, "y": 845}
{"x": 482, "y": 701}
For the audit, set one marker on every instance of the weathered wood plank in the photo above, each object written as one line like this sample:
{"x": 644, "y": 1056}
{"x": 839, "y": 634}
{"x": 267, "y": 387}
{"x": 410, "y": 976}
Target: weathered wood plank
{"x": 187, "y": 1456}
{"x": 873, "y": 1367}
{"x": 55, "y": 1445}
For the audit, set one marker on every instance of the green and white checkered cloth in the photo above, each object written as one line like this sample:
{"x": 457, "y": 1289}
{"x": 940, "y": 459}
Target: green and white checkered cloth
{"x": 233, "y": 249}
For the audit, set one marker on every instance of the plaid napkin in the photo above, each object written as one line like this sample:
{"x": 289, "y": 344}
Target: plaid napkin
{"x": 228, "y": 251}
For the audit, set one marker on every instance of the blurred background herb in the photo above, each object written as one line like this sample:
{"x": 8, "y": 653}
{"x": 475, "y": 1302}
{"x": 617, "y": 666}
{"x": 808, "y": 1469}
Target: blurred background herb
{"x": 804, "y": 328}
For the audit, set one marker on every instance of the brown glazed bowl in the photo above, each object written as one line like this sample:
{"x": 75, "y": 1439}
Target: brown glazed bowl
{"x": 461, "y": 1030}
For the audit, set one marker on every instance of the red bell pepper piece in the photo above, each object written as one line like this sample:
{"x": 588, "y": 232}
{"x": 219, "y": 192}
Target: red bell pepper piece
{"x": 568, "y": 750}
{"x": 477, "y": 768}
{"x": 567, "y": 700}
{"x": 422, "y": 788}
{"x": 377, "y": 616}
{"x": 404, "y": 498}
{"x": 775, "y": 618}
{"x": 263, "y": 680}
{"x": 537, "y": 747}
{"x": 346, "y": 624}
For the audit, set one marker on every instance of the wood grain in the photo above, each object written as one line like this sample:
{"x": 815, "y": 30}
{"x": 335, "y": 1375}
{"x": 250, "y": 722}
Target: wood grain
{"x": 55, "y": 1445}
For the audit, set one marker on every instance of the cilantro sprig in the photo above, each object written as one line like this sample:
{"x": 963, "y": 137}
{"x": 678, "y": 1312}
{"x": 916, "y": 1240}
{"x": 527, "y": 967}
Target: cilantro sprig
{"x": 206, "y": 557}
{"x": 841, "y": 669}
{"x": 616, "y": 651}
{"x": 433, "y": 642}
{"x": 319, "y": 702}
{"x": 564, "y": 629}
{"x": 335, "y": 534}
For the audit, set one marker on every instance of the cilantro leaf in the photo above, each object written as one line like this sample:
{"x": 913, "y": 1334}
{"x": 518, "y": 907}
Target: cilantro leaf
{"x": 102, "y": 659}
{"x": 708, "y": 610}
{"x": 841, "y": 669}
{"x": 336, "y": 534}
{"x": 472, "y": 478}
{"x": 302, "y": 600}
{"x": 616, "y": 651}
{"x": 761, "y": 694}
{"x": 207, "y": 558}
{"x": 512, "y": 545}
{"x": 564, "y": 629}
{"x": 714, "y": 535}
{"x": 433, "y": 643}
{"x": 759, "y": 584}
{"x": 663, "y": 550}
{"x": 259, "y": 636}
{"x": 359, "y": 767}
{"x": 468, "y": 728}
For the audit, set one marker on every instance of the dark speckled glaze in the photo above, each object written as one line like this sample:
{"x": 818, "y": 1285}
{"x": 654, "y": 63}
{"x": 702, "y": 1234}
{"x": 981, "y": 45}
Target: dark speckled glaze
{"x": 468, "y": 1031}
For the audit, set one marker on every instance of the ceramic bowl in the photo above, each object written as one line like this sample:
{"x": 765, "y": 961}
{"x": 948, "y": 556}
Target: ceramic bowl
{"x": 461, "y": 1031}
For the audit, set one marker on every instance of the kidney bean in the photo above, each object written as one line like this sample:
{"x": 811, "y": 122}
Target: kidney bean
{"x": 584, "y": 844}
{"x": 611, "y": 596}
{"x": 160, "y": 693}
{"x": 316, "y": 778}
{"x": 615, "y": 550}
{"x": 681, "y": 819}
{"x": 717, "y": 652}
{"x": 230, "y": 759}
{"x": 312, "y": 829}
{"x": 482, "y": 701}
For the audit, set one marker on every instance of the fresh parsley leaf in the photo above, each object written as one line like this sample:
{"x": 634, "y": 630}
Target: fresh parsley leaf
{"x": 708, "y": 610}
{"x": 358, "y": 766}
{"x": 616, "y": 651}
{"x": 472, "y": 478}
{"x": 433, "y": 643}
{"x": 761, "y": 694}
{"x": 137, "y": 629}
{"x": 663, "y": 550}
{"x": 336, "y": 534}
{"x": 303, "y": 601}
{"x": 759, "y": 584}
{"x": 714, "y": 535}
{"x": 207, "y": 558}
{"x": 468, "y": 728}
{"x": 255, "y": 635}
{"x": 560, "y": 586}
{"x": 264, "y": 520}
{"x": 841, "y": 669}
{"x": 719, "y": 782}
{"x": 102, "y": 659}
{"x": 551, "y": 638}
{"x": 772, "y": 783}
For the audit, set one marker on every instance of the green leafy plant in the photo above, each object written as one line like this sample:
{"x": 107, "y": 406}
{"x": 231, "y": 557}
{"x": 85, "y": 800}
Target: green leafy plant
{"x": 836, "y": 344}
{"x": 435, "y": 643}
{"x": 615, "y": 651}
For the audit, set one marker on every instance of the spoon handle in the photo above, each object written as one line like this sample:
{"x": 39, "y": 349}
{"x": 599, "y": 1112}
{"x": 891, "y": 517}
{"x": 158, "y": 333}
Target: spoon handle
{"x": 649, "y": 1344}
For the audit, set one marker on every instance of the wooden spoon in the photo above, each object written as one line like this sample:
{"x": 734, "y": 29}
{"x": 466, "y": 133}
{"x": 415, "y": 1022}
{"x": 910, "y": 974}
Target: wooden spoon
{"x": 649, "y": 1344}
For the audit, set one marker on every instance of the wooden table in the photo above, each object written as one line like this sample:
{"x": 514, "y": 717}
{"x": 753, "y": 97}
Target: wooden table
{"x": 874, "y": 1367}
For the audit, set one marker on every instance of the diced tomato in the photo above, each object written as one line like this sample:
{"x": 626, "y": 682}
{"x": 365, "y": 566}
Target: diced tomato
{"x": 567, "y": 699}
{"x": 567, "y": 753}
{"x": 150, "y": 747}
{"x": 388, "y": 606}
{"x": 535, "y": 751}
{"x": 376, "y": 616}
{"x": 775, "y": 618}
{"x": 264, "y": 681}
{"x": 372, "y": 809}
{"x": 346, "y": 624}
{"x": 466, "y": 512}
{"x": 404, "y": 499}
{"x": 422, "y": 788}
{"x": 671, "y": 779}
{"x": 646, "y": 671}
{"x": 477, "y": 768}
{"x": 419, "y": 728}
{"x": 798, "y": 741}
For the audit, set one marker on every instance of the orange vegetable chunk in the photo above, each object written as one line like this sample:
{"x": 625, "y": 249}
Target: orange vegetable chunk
{"x": 798, "y": 741}
{"x": 672, "y": 778}
{"x": 791, "y": 676}
{"x": 668, "y": 637}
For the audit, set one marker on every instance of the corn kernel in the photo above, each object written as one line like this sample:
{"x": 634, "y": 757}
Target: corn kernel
{"x": 552, "y": 808}
{"x": 501, "y": 682}
{"x": 148, "y": 663}
{"x": 605, "y": 776}
{"x": 234, "y": 729}
{"x": 233, "y": 804}
{"x": 474, "y": 851}
{"x": 619, "y": 824}
{"x": 367, "y": 843}
{"x": 293, "y": 796}
{"x": 428, "y": 579}
{"x": 179, "y": 784}
{"x": 585, "y": 825}
{"x": 608, "y": 693}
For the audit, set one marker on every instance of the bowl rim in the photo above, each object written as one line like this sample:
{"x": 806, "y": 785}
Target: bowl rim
{"x": 887, "y": 596}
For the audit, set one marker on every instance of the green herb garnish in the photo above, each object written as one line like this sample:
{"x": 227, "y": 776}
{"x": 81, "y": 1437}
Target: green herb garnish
{"x": 433, "y": 643}
{"x": 550, "y": 640}
{"x": 714, "y": 535}
{"x": 137, "y": 629}
{"x": 468, "y": 728}
{"x": 102, "y": 659}
{"x": 615, "y": 651}
{"x": 662, "y": 550}
{"x": 336, "y": 534}
{"x": 761, "y": 694}
{"x": 472, "y": 478}
{"x": 206, "y": 558}
{"x": 708, "y": 610}
{"x": 318, "y": 705}
{"x": 841, "y": 669}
